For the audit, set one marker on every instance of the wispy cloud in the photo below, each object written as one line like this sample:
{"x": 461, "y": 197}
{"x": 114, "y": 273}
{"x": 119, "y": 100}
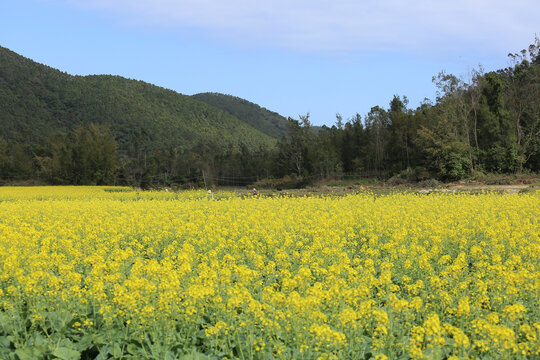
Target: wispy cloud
{"x": 342, "y": 25}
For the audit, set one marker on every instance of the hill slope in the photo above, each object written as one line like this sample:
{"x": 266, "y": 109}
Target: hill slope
{"x": 264, "y": 120}
{"x": 36, "y": 101}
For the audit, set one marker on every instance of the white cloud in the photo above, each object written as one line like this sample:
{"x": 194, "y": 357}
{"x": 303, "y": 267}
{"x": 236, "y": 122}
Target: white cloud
{"x": 342, "y": 25}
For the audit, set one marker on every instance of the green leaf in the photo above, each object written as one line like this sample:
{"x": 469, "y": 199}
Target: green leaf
{"x": 39, "y": 340}
{"x": 7, "y": 323}
{"x": 195, "y": 355}
{"x": 67, "y": 354}
{"x": 117, "y": 351}
{"x": 59, "y": 319}
{"x": 5, "y": 341}
{"x": 133, "y": 349}
{"x": 24, "y": 354}
{"x": 98, "y": 339}
{"x": 30, "y": 353}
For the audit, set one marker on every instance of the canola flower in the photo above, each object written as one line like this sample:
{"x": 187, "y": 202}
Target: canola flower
{"x": 96, "y": 272}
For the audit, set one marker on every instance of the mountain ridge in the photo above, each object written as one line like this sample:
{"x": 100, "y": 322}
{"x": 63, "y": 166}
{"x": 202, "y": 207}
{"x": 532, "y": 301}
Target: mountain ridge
{"x": 37, "y": 100}
{"x": 266, "y": 121}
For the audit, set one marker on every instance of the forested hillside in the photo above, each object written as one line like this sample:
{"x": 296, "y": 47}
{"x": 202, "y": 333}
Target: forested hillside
{"x": 156, "y": 130}
{"x": 268, "y": 122}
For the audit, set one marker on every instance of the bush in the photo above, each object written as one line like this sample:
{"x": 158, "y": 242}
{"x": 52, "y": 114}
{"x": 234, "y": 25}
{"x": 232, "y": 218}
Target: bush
{"x": 409, "y": 176}
{"x": 397, "y": 180}
{"x": 429, "y": 183}
{"x": 421, "y": 173}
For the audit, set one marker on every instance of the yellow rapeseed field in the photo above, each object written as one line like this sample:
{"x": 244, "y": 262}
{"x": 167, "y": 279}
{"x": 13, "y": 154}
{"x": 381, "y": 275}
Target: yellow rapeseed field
{"x": 98, "y": 273}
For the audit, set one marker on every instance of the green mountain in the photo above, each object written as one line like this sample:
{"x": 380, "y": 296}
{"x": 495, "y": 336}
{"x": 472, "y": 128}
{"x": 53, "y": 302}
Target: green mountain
{"x": 264, "y": 120}
{"x": 37, "y": 101}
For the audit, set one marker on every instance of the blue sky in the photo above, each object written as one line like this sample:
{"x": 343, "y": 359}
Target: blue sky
{"x": 292, "y": 57}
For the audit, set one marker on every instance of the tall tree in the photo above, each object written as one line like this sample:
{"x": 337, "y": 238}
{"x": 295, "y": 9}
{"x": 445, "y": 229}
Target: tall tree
{"x": 377, "y": 125}
{"x": 401, "y": 132}
{"x": 474, "y": 91}
{"x": 497, "y": 135}
{"x": 456, "y": 109}
{"x": 294, "y": 150}
{"x": 339, "y": 121}
{"x": 523, "y": 100}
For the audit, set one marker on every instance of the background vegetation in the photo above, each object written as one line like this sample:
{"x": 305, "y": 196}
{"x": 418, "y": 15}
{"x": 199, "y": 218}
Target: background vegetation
{"x": 68, "y": 129}
{"x": 268, "y": 122}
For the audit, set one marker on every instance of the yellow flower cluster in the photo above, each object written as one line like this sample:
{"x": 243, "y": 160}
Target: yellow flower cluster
{"x": 395, "y": 276}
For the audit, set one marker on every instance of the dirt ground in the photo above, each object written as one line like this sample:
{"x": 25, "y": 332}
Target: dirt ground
{"x": 381, "y": 189}
{"x": 511, "y": 189}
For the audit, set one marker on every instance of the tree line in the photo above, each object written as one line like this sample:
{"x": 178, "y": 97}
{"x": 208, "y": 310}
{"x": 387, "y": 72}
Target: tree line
{"x": 489, "y": 122}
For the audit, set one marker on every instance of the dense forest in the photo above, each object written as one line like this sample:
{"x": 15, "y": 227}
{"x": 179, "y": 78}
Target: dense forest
{"x": 269, "y": 122}
{"x": 489, "y": 123}
{"x": 64, "y": 129}
{"x": 45, "y": 113}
